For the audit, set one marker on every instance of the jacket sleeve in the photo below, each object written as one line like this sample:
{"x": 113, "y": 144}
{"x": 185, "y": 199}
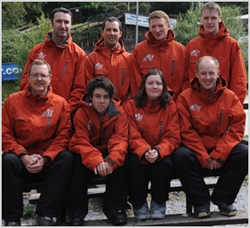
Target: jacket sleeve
{"x": 137, "y": 143}
{"x": 24, "y": 78}
{"x": 62, "y": 134}
{"x": 189, "y": 136}
{"x": 9, "y": 142}
{"x": 238, "y": 73}
{"x": 171, "y": 139}
{"x": 118, "y": 143}
{"x": 235, "y": 133}
{"x": 80, "y": 142}
{"x": 185, "y": 83}
{"x": 78, "y": 87}
{"x": 135, "y": 73}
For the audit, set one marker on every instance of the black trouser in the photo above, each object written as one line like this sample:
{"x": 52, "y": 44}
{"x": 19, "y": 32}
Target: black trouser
{"x": 14, "y": 175}
{"x": 158, "y": 173}
{"x": 232, "y": 175}
{"x": 115, "y": 196}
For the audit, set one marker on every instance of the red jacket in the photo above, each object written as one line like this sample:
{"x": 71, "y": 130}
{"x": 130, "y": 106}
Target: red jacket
{"x": 153, "y": 127}
{"x": 67, "y": 65}
{"x": 93, "y": 135}
{"x": 35, "y": 125}
{"x": 113, "y": 64}
{"x": 167, "y": 55}
{"x": 227, "y": 51}
{"x": 211, "y": 123}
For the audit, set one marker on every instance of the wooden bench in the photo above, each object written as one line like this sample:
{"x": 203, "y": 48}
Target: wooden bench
{"x": 97, "y": 188}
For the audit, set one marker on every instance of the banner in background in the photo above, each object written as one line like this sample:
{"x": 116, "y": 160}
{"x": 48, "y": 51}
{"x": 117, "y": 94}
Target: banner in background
{"x": 11, "y": 71}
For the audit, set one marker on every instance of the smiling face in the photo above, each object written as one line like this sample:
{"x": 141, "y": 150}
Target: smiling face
{"x": 207, "y": 74}
{"x": 159, "y": 28}
{"x": 100, "y": 100}
{"x": 210, "y": 21}
{"x": 39, "y": 79}
{"x": 154, "y": 87}
{"x": 111, "y": 34}
{"x": 61, "y": 26}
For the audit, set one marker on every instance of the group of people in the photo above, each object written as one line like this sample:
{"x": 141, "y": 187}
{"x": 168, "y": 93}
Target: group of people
{"x": 132, "y": 118}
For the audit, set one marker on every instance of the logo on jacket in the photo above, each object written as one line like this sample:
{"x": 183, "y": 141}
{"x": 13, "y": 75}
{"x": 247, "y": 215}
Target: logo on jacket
{"x": 98, "y": 66}
{"x": 47, "y": 113}
{"x": 148, "y": 58}
{"x": 90, "y": 124}
{"x": 138, "y": 117}
{"x": 195, "y": 107}
{"x": 195, "y": 52}
{"x": 41, "y": 55}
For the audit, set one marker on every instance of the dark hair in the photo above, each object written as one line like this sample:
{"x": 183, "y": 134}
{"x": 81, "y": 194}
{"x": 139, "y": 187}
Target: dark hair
{"x": 112, "y": 19}
{"x": 141, "y": 96}
{"x": 63, "y": 10}
{"x": 40, "y": 62}
{"x": 101, "y": 82}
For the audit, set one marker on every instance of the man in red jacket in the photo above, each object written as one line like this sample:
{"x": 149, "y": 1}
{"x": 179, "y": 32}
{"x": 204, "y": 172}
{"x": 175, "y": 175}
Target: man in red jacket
{"x": 214, "y": 40}
{"x": 65, "y": 58}
{"x": 212, "y": 123}
{"x": 100, "y": 145}
{"x": 110, "y": 59}
{"x": 160, "y": 51}
{"x": 36, "y": 130}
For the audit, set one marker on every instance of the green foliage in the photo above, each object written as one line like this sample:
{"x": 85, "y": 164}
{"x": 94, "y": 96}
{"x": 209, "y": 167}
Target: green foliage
{"x": 9, "y": 36}
{"x": 29, "y": 39}
{"x": 9, "y": 88}
{"x": 13, "y": 15}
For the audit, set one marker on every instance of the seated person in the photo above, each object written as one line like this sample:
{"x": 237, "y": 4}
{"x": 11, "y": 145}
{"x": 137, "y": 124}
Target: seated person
{"x": 36, "y": 130}
{"x": 212, "y": 122}
{"x": 154, "y": 134}
{"x": 100, "y": 145}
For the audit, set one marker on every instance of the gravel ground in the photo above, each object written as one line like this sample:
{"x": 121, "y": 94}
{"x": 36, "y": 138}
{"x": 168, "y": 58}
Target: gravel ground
{"x": 175, "y": 205}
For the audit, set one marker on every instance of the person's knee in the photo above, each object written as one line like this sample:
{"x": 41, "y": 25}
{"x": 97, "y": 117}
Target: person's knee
{"x": 180, "y": 153}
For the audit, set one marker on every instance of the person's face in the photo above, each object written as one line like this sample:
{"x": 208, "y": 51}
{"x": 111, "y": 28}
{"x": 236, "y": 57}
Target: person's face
{"x": 207, "y": 75}
{"x": 111, "y": 34}
{"x": 39, "y": 79}
{"x": 159, "y": 28}
{"x": 61, "y": 25}
{"x": 154, "y": 87}
{"x": 100, "y": 100}
{"x": 210, "y": 21}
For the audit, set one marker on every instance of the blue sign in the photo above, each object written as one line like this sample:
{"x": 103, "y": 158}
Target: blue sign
{"x": 11, "y": 71}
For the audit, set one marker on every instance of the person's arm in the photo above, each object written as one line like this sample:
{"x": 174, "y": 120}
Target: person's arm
{"x": 62, "y": 134}
{"x": 234, "y": 133}
{"x": 238, "y": 74}
{"x": 78, "y": 87}
{"x": 189, "y": 137}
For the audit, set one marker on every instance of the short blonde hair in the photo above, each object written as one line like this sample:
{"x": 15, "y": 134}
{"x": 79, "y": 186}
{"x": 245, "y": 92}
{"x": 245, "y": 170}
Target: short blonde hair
{"x": 212, "y": 6}
{"x": 206, "y": 57}
{"x": 40, "y": 62}
{"x": 159, "y": 14}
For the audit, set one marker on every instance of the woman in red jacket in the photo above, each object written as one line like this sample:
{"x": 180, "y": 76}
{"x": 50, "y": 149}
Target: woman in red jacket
{"x": 154, "y": 134}
{"x": 212, "y": 123}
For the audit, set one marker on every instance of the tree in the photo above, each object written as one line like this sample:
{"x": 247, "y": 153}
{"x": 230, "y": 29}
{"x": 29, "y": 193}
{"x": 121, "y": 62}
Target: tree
{"x": 13, "y": 14}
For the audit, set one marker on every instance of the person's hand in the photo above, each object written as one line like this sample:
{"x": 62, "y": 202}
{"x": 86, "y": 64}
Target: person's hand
{"x": 33, "y": 163}
{"x": 214, "y": 165}
{"x": 103, "y": 169}
{"x": 151, "y": 155}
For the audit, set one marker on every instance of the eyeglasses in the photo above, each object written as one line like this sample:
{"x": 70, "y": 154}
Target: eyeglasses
{"x": 43, "y": 76}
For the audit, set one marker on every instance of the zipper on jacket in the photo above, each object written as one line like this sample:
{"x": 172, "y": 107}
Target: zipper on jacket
{"x": 48, "y": 125}
{"x": 160, "y": 129}
{"x": 64, "y": 69}
{"x": 172, "y": 70}
{"x": 123, "y": 75}
{"x": 220, "y": 118}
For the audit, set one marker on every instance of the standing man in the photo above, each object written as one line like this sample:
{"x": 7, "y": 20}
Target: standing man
{"x": 160, "y": 51}
{"x": 214, "y": 40}
{"x": 100, "y": 145}
{"x": 110, "y": 58}
{"x": 65, "y": 58}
